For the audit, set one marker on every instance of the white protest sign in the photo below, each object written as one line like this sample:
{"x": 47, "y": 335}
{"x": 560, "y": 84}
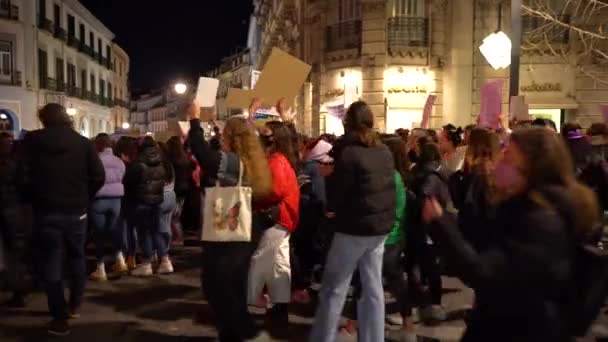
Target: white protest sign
{"x": 206, "y": 93}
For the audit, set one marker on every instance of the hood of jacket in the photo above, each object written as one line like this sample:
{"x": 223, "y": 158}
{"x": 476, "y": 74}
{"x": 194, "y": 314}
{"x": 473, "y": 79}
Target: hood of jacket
{"x": 151, "y": 156}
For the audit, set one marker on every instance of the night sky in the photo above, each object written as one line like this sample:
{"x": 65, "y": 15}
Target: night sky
{"x": 170, "y": 40}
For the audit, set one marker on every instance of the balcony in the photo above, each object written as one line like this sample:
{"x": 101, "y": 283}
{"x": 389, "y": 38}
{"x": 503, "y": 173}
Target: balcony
{"x": 60, "y": 33}
{"x": 60, "y": 86}
{"x": 10, "y": 77}
{"x": 48, "y": 83}
{"x": 105, "y": 62}
{"x": 343, "y": 36}
{"x": 73, "y": 91}
{"x": 538, "y": 30}
{"x": 94, "y": 55}
{"x": 73, "y": 42}
{"x": 407, "y": 32}
{"x": 46, "y": 25}
{"x": 8, "y": 12}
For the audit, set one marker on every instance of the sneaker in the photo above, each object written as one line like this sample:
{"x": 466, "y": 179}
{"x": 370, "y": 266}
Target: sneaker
{"x": 58, "y": 328}
{"x": 300, "y": 297}
{"x": 165, "y": 267}
{"x": 99, "y": 274}
{"x": 401, "y": 336}
{"x": 143, "y": 270}
{"x": 131, "y": 263}
{"x": 394, "y": 319}
{"x": 120, "y": 266}
{"x": 263, "y": 302}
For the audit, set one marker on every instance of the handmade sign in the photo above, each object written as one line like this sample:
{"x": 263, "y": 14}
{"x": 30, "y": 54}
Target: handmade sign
{"x": 490, "y": 105}
{"x": 206, "y": 93}
{"x": 426, "y": 112}
{"x": 239, "y": 98}
{"x": 518, "y": 109}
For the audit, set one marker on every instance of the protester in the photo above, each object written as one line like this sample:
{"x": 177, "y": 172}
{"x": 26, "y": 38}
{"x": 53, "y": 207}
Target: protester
{"x": 65, "y": 174}
{"x": 167, "y": 209}
{"x": 270, "y": 263}
{"x": 176, "y": 155}
{"x": 147, "y": 177}
{"x": 365, "y": 213}
{"x": 126, "y": 150}
{"x": 105, "y": 210}
{"x": 452, "y": 153}
{"x": 519, "y": 277}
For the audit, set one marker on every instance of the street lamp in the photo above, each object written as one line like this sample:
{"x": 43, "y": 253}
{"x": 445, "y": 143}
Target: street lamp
{"x": 125, "y": 125}
{"x": 71, "y": 111}
{"x": 180, "y": 88}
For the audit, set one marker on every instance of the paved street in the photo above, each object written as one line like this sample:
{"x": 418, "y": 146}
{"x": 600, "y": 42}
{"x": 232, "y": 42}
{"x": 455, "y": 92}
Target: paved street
{"x": 171, "y": 308}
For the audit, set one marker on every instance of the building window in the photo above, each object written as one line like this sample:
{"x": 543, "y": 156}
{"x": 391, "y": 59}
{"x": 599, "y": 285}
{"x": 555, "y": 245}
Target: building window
{"x": 71, "y": 26}
{"x": 59, "y": 72}
{"x": 71, "y": 76}
{"x": 349, "y": 10}
{"x": 99, "y": 49}
{"x": 82, "y": 34}
{"x": 408, "y": 8}
{"x": 92, "y": 40}
{"x": 109, "y": 92}
{"x": 83, "y": 80}
{"x": 102, "y": 88}
{"x": 93, "y": 91}
{"x": 108, "y": 53}
{"x": 57, "y": 15}
{"x": 6, "y": 60}
{"x": 42, "y": 9}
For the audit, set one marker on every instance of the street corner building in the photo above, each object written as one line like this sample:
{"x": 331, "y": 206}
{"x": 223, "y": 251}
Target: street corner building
{"x": 58, "y": 52}
{"x": 394, "y": 53}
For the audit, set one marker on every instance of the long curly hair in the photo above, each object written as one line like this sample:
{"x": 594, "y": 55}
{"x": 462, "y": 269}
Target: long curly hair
{"x": 241, "y": 139}
{"x": 283, "y": 142}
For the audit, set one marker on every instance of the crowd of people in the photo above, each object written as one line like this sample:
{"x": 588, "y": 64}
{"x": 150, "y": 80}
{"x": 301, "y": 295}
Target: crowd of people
{"x": 505, "y": 211}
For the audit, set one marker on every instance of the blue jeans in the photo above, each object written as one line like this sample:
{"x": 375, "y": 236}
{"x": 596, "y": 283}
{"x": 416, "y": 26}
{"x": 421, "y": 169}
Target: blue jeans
{"x": 105, "y": 213}
{"x": 163, "y": 236}
{"x": 68, "y": 233}
{"x": 147, "y": 222}
{"x": 347, "y": 253}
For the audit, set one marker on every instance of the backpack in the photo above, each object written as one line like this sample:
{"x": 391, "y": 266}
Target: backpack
{"x": 588, "y": 286}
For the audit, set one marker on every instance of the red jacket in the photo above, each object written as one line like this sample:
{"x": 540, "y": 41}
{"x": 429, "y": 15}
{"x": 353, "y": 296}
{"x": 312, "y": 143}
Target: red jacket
{"x": 285, "y": 191}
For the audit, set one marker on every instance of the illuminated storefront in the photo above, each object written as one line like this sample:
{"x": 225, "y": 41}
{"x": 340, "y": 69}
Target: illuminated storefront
{"x": 345, "y": 87}
{"x": 406, "y": 90}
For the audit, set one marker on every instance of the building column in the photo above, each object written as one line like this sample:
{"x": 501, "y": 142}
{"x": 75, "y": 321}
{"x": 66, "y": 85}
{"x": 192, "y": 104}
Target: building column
{"x": 458, "y": 80}
{"x": 373, "y": 57}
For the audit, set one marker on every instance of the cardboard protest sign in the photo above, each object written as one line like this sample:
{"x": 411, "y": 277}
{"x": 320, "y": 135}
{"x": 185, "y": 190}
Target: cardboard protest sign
{"x": 282, "y": 76}
{"x": 490, "y": 105}
{"x": 604, "y": 109}
{"x": 426, "y": 112}
{"x": 206, "y": 92}
{"x": 519, "y": 109}
{"x": 239, "y": 98}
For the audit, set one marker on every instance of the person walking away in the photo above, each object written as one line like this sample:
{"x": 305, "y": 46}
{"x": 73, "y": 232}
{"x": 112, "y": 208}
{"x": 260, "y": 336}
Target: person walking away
{"x": 12, "y": 236}
{"x": 183, "y": 175}
{"x": 167, "y": 210}
{"x": 270, "y": 263}
{"x": 522, "y": 276}
{"x": 126, "y": 150}
{"x": 106, "y": 208}
{"x": 365, "y": 212}
{"x": 65, "y": 173}
{"x": 148, "y": 178}
{"x": 226, "y": 264}
{"x": 428, "y": 178}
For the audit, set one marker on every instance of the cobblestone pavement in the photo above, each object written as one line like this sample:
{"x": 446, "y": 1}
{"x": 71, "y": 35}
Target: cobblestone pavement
{"x": 171, "y": 308}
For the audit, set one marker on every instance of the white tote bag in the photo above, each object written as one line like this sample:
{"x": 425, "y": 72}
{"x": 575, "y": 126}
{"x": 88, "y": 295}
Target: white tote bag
{"x": 227, "y": 213}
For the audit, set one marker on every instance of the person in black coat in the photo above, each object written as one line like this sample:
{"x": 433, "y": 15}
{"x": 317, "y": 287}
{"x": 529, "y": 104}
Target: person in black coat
{"x": 183, "y": 181}
{"x": 522, "y": 275}
{"x": 64, "y": 173}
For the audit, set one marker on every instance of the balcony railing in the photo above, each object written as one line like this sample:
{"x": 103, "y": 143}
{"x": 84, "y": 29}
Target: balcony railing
{"x": 537, "y": 30}
{"x": 60, "y": 33}
{"x": 13, "y": 77}
{"x": 343, "y": 36}
{"x": 73, "y": 91}
{"x": 46, "y": 25}
{"x": 407, "y": 32}
{"x": 73, "y": 42}
{"x": 9, "y": 12}
{"x": 61, "y": 85}
{"x": 48, "y": 83}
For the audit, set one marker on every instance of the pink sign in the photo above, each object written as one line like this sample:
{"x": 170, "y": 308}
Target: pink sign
{"x": 490, "y": 105}
{"x": 604, "y": 109}
{"x": 426, "y": 112}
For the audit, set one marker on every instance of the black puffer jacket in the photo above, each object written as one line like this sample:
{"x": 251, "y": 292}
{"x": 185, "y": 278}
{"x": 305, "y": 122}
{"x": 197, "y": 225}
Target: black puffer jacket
{"x": 183, "y": 177}
{"x": 365, "y": 188}
{"x": 147, "y": 177}
{"x": 520, "y": 274}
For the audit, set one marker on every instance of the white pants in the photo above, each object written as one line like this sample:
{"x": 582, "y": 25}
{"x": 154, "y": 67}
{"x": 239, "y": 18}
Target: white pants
{"x": 270, "y": 266}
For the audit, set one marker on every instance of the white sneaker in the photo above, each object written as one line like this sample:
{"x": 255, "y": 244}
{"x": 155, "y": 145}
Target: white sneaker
{"x": 165, "y": 266}
{"x": 120, "y": 266}
{"x": 99, "y": 274}
{"x": 394, "y": 319}
{"x": 143, "y": 270}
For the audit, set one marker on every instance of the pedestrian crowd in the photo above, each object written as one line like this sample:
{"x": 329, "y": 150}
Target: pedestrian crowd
{"x": 516, "y": 215}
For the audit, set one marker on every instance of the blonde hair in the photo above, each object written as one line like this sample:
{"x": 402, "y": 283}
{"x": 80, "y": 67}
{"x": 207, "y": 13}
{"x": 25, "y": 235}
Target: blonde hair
{"x": 242, "y": 140}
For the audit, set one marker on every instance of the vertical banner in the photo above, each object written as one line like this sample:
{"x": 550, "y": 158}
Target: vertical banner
{"x": 490, "y": 105}
{"x": 604, "y": 109}
{"x": 426, "y": 112}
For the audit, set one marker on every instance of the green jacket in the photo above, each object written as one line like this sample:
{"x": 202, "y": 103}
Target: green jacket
{"x": 397, "y": 232}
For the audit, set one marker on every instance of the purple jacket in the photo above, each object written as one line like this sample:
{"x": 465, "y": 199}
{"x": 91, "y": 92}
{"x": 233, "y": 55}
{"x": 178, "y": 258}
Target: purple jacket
{"x": 115, "y": 171}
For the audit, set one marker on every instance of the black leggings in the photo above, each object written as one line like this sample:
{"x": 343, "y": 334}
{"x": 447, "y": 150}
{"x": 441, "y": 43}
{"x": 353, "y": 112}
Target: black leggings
{"x": 392, "y": 271}
{"x": 423, "y": 257}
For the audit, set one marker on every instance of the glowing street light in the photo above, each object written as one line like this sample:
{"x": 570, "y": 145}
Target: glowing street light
{"x": 148, "y": 133}
{"x": 71, "y": 111}
{"x": 496, "y": 48}
{"x": 3, "y": 116}
{"x": 180, "y": 88}
{"x": 125, "y": 125}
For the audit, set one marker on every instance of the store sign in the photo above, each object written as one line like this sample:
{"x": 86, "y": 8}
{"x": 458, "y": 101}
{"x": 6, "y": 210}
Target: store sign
{"x": 334, "y": 93}
{"x": 408, "y": 90}
{"x": 542, "y": 87}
